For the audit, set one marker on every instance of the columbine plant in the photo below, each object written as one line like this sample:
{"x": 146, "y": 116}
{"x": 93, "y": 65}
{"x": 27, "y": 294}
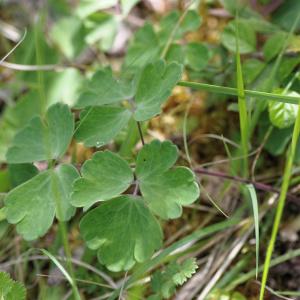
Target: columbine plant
{"x": 125, "y": 228}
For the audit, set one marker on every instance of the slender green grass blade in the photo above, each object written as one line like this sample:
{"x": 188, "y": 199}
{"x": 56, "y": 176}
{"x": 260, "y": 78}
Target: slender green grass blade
{"x": 254, "y": 202}
{"x": 63, "y": 271}
{"x": 244, "y": 127}
{"x": 263, "y": 96}
{"x": 214, "y": 203}
{"x": 59, "y": 265}
{"x": 281, "y": 203}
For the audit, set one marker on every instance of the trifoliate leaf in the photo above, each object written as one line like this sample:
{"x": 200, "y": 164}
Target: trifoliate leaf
{"x": 99, "y": 125}
{"x": 103, "y": 88}
{"x": 283, "y": 115}
{"x": 43, "y": 139}
{"x": 165, "y": 190}
{"x": 123, "y": 230}
{"x": 154, "y": 87}
{"x": 104, "y": 176}
{"x": 33, "y": 204}
{"x": 10, "y": 289}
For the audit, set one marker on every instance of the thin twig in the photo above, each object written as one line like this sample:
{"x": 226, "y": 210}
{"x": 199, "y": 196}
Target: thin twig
{"x": 258, "y": 185}
{"x": 77, "y": 262}
{"x": 228, "y": 260}
{"x": 140, "y": 132}
{"x": 34, "y": 68}
{"x": 15, "y": 47}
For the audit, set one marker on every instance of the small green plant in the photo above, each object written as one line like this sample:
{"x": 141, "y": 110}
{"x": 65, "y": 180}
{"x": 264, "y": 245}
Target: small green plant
{"x": 122, "y": 194}
{"x": 10, "y": 289}
{"x": 124, "y": 228}
{"x": 164, "y": 282}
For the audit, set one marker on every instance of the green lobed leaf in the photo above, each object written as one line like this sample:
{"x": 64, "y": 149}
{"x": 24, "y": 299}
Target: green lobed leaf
{"x": 182, "y": 272}
{"x": 164, "y": 283}
{"x": 283, "y": 115}
{"x": 33, "y": 204}
{"x": 43, "y": 139}
{"x": 154, "y": 86}
{"x": 123, "y": 230}
{"x": 104, "y": 176}
{"x": 168, "y": 192}
{"x": 165, "y": 190}
{"x": 10, "y": 289}
{"x": 99, "y": 125}
{"x": 155, "y": 158}
{"x": 103, "y": 88}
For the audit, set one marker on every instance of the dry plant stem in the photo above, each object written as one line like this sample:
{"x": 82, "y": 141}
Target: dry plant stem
{"x": 258, "y": 185}
{"x": 35, "y": 68}
{"x": 15, "y": 47}
{"x": 172, "y": 35}
{"x": 79, "y": 263}
{"x": 223, "y": 90}
{"x": 281, "y": 203}
{"x": 140, "y": 132}
{"x": 228, "y": 260}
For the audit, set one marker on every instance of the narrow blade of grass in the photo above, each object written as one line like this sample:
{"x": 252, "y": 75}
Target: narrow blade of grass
{"x": 254, "y": 202}
{"x": 281, "y": 202}
{"x": 244, "y": 127}
{"x": 64, "y": 272}
{"x": 230, "y": 91}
